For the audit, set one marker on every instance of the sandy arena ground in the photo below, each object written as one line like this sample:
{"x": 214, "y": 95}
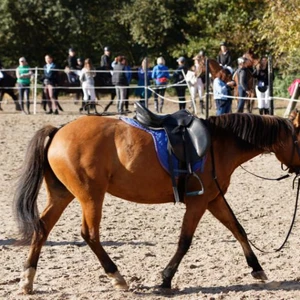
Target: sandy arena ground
{"x": 141, "y": 239}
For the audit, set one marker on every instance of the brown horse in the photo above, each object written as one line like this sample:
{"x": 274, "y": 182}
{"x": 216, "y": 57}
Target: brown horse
{"x": 7, "y": 85}
{"x": 94, "y": 155}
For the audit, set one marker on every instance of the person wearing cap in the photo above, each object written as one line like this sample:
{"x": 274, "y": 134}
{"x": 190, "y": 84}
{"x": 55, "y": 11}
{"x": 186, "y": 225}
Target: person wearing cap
{"x": 243, "y": 88}
{"x": 198, "y": 88}
{"x": 23, "y": 74}
{"x": 105, "y": 62}
{"x": 160, "y": 75}
{"x": 179, "y": 79}
{"x": 224, "y": 58}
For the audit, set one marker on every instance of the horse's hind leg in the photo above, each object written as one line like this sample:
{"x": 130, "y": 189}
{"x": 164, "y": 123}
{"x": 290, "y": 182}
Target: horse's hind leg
{"x": 92, "y": 212}
{"x": 58, "y": 199}
{"x": 222, "y": 211}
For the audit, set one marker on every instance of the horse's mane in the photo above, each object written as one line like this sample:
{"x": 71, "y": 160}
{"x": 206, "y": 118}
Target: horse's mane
{"x": 258, "y": 131}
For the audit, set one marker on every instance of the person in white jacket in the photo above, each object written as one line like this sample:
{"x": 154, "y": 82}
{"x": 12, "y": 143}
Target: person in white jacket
{"x": 87, "y": 80}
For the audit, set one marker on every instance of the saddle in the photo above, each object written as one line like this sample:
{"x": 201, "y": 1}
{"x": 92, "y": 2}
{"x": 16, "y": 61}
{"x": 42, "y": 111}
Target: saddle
{"x": 188, "y": 140}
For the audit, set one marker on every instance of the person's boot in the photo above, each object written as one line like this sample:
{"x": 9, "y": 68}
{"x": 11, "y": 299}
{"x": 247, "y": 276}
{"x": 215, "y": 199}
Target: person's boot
{"x": 56, "y": 112}
{"x": 261, "y": 111}
{"x": 267, "y": 112}
{"x": 201, "y": 106}
{"x": 50, "y": 112}
{"x": 160, "y": 108}
{"x": 156, "y": 106}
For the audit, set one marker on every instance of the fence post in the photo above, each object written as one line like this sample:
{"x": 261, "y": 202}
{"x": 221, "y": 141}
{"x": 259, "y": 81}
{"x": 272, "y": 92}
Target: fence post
{"x": 207, "y": 87}
{"x": 146, "y": 82}
{"x": 35, "y": 90}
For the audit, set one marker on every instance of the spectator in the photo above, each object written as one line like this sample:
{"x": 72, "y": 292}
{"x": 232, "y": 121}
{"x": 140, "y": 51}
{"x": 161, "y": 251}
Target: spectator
{"x": 222, "y": 89}
{"x": 198, "y": 87}
{"x": 129, "y": 77}
{"x": 50, "y": 81}
{"x": 243, "y": 89}
{"x": 224, "y": 58}
{"x": 140, "y": 91}
{"x": 88, "y": 84}
{"x": 178, "y": 77}
{"x": 161, "y": 76}
{"x": 72, "y": 66}
{"x": 120, "y": 81}
{"x": 262, "y": 87}
{"x": 105, "y": 62}
{"x": 23, "y": 74}
{"x": 80, "y": 65}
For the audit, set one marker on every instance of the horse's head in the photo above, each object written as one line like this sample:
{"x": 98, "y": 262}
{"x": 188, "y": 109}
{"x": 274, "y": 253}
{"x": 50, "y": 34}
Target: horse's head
{"x": 293, "y": 151}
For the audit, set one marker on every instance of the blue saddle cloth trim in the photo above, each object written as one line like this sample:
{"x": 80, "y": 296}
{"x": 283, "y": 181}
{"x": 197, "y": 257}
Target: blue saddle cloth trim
{"x": 160, "y": 140}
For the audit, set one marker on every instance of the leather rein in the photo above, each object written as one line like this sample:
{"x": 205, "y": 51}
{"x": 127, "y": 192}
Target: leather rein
{"x": 297, "y": 176}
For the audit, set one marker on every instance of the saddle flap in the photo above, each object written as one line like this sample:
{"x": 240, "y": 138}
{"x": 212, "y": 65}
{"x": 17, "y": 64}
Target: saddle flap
{"x": 200, "y": 136}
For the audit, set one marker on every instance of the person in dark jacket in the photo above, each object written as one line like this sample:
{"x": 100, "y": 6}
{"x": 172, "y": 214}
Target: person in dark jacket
{"x": 120, "y": 81}
{"x": 72, "y": 67}
{"x": 50, "y": 81}
{"x": 105, "y": 62}
{"x": 178, "y": 77}
{"x": 262, "y": 88}
{"x": 224, "y": 58}
{"x": 243, "y": 88}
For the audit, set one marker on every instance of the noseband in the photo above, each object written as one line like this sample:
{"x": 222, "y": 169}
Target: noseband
{"x": 296, "y": 148}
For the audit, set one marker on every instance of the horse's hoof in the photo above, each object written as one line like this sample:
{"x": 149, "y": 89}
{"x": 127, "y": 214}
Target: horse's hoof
{"x": 260, "y": 275}
{"x": 118, "y": 281}
{"x": 26, "y": 282}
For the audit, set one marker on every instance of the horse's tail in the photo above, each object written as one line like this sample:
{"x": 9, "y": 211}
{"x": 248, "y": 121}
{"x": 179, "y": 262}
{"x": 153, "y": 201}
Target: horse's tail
{"x": 29, "y": 184}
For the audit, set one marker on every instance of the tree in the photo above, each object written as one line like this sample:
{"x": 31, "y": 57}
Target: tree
{"x": 280, "y": 30}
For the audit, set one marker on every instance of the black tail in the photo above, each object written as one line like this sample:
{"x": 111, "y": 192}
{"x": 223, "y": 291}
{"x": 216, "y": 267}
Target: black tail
{"x": 29, "y": 184}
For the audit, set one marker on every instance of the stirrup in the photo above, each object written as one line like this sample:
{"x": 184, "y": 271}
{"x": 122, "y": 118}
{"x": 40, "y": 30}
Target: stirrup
{"x": 194, "y": 193}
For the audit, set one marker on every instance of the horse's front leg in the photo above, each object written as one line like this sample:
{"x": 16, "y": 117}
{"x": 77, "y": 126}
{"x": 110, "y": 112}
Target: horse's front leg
{"x": 191, "y": 219}
{"x": 222, "y": 211}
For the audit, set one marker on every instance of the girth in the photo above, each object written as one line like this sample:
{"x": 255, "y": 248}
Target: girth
{"x": 188, "y": 140}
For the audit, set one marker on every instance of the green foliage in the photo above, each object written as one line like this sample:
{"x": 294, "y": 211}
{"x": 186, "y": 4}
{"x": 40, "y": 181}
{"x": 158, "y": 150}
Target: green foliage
{"x": 139, "y": 28}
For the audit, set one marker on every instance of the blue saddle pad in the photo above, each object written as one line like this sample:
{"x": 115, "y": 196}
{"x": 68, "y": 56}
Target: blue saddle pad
{"x": 160, "y": 140}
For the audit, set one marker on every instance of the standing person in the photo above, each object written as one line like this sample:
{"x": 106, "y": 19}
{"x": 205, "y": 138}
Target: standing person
{"x": 140, "y": 91}
{"x": 161, "y": 76}
{"x": 50, "y": 81}
{"x": 105, "y": 62}
{"x": 178, "y": 77}
{"x": 224, "y": 58}
{"x": 243, "y": 89}
{"x": 87, "y": 81}
{"x": 129, "y": 77}
{"x": 72, "y": 66}
{"x": 262, "y": 88}
{"x": 23, "y": 74}
{"x": 120, "y": 81}
{"x": 198, "y": 88}
{"x": 221, "y": 90}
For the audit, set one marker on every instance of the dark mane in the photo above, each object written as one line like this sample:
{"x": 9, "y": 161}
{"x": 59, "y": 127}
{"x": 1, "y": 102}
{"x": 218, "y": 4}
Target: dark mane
{"x": 261, "y": 132}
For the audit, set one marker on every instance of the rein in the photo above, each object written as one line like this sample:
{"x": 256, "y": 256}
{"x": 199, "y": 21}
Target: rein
{"x": 280, "y": 178}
